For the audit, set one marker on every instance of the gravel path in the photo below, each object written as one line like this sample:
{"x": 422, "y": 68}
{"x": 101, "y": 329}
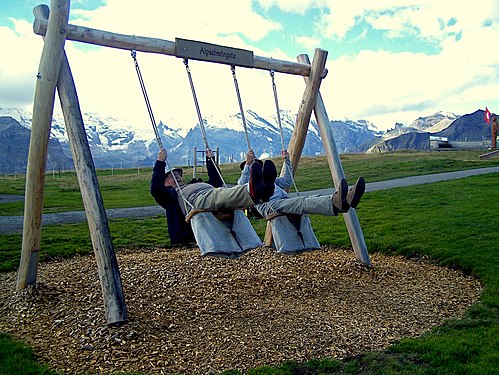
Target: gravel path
{"x": 14, "y": 224}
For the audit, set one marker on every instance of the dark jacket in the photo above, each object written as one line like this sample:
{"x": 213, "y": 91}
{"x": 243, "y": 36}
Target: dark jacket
{"x": 178, "y": 229}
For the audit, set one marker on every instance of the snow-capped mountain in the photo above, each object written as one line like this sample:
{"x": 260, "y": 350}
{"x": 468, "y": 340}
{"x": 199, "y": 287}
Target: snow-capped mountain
{"x": 429, "y": 124}
{"x": 468, "y": 131}
{"x": 434, "y": 123}
{"x": 115, "y": 142}
{"x": 14, "y": 147}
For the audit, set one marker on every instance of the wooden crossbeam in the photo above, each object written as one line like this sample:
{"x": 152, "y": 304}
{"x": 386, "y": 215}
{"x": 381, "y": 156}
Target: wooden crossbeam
{"x": 161, "y": 46}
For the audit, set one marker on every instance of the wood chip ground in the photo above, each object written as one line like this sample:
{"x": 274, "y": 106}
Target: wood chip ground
{"x": 189, "y": 314}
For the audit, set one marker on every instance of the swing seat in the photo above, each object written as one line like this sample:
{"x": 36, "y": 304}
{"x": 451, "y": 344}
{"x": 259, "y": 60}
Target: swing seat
{"x": 292, "y": 234}
{"x": 222, "y": 214}
{"x": 228, "y": 238}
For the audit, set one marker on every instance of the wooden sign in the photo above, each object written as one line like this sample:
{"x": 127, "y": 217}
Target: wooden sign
{"x": 192, "y": 49}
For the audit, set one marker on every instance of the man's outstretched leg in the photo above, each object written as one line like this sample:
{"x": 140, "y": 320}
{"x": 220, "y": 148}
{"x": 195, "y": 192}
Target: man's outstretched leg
{"x": 329, "y": 205}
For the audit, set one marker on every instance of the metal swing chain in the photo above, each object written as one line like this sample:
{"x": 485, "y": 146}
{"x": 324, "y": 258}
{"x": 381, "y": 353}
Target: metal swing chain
{"x": 146, "y": 98}
{"x": 200, "y": 117}
{"x": 179, "y": 190}
{"x": 156, "y": 131}
{"x": 274, "y": 87}
{"x": 287, "y": 162}
{"x": 241, "y": 110}
{"x": 196, "y": 103}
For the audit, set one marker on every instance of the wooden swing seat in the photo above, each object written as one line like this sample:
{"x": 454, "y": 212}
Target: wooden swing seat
{"x": 291, "y": 233}
{"x": 222, "y": 214}
{"x": 229, "y": 235}
{"x": 277, "y": 214}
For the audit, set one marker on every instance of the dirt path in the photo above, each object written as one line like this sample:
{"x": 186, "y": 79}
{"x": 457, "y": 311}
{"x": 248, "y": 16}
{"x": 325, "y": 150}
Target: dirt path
{"x": 9, "y": 198}
{"x": 14, "y": 224}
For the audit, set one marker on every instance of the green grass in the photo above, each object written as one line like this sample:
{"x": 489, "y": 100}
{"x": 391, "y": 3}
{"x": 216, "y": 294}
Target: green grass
{"x": 17, "y": 358}
{"x": 455, "y": 223}
{"x": 127, "y": 188}
{"x": 452, "y": 222}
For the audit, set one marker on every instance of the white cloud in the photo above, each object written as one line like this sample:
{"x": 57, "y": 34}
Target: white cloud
{"x": 293, "y": 6}
{"x": 426, "y": 16}
{"x": 157, "y": 18}
{"x": 308, "y": 42}
{"x": 386, "y": 87}
{"x": 383, "y": 86}
{"x": 106, "y": 80}
{"x": 339, "y": 18}
{"x": 19, "y": 65}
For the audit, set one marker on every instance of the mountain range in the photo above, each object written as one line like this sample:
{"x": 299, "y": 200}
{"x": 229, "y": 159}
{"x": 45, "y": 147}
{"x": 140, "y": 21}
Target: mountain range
{"x": 115, "y": 143}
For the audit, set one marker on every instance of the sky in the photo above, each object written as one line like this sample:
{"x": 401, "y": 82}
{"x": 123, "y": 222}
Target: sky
{"x": 388, "y": 61}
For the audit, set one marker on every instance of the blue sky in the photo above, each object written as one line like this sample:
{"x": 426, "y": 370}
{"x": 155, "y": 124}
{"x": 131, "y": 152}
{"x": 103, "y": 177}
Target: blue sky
{"x": 388, "y": 61}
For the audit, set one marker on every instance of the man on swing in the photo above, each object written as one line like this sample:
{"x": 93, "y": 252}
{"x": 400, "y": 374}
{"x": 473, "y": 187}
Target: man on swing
{"x": 280, "y": 202}
{"x": 177, "y": 198}
{"x": 255, "y": 188}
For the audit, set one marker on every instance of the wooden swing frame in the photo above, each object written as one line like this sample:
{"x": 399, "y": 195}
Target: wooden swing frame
{"x": 54, "y": 72}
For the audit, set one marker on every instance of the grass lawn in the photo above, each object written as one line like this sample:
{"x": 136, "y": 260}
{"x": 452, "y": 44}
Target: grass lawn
{"x": 452, "y": 222}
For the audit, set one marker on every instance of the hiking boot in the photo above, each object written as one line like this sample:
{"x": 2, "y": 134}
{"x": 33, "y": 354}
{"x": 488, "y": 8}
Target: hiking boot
{"x": 269, "y": 172}
{"x": 356, "y": 192}
{"x": 340, "y": 204}
{"x": 266, "y": 189}
{"x": 259, "y": 190}
{"x": 256, "y": 179}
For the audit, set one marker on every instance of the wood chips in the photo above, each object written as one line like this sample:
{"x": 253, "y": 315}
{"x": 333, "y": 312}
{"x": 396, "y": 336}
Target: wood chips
{"x": 189, "y": 314}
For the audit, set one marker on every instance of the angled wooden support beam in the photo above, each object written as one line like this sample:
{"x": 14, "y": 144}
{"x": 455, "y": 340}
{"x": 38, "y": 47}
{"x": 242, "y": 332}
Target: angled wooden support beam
{"x": 333, "y": 157}
{"x": 313, "y": 83}
{"x": 107, "y": 264}
{"x": 48, "y": 74}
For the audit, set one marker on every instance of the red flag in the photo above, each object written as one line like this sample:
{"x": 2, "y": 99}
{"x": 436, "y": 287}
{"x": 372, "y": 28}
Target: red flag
{"x": 487, "y": 115}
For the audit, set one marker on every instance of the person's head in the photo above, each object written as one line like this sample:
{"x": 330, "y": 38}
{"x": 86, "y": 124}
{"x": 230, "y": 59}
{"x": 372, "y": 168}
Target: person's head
{"x": 172, "y": 175}
{"x": 255, "y": 161}
{"x": 494, "y": 118}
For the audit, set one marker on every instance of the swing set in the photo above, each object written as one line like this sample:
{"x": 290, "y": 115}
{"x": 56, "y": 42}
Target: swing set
{"x": 232, "y": 234}
{"x": 54, "y": 72}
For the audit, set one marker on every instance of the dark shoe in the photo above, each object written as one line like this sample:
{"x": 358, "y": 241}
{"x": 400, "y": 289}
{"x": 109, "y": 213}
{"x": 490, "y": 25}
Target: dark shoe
{"x": 255, "y": 182}
{"x": 269, "y": 172}
{"x": 356, "y": 192}
{"x": 266, "y": 190}
{"x": 340, "y": 204}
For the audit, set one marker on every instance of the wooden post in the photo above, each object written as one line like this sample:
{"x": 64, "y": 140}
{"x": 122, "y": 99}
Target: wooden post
{"x": 307, "y": 104}
{"x": 351, "y": 220}
{"x": 48, "y": 74}
{"x": 313, "y": 82}
{"x": 107, "y": 264}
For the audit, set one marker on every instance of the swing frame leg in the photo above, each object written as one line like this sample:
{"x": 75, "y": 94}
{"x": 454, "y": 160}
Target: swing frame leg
{"x": 351, "y": 219}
